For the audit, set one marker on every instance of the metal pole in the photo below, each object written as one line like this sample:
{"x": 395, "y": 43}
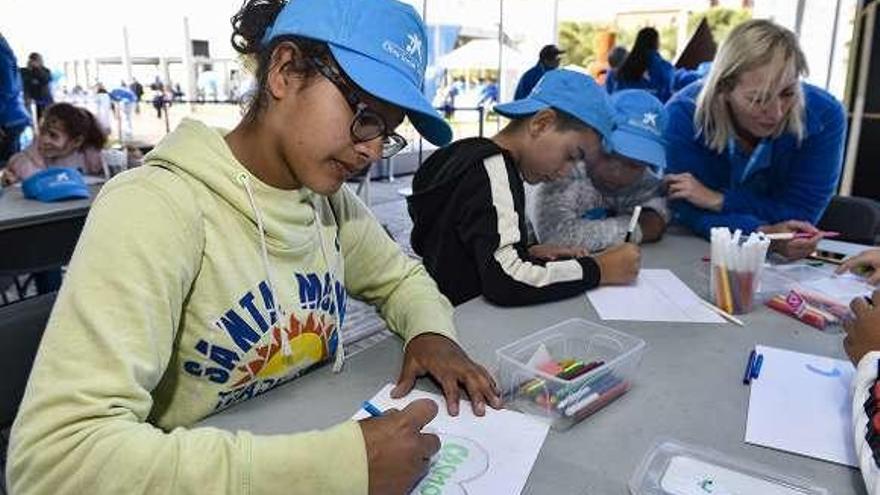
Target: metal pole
{"x": 482, "y": 113}
{"x": 858, "y": 111}
{"x": 500, "y": 54}
{"x": 425, "y": 19}
{"x": 126, "y": 54}
{"x": 833, "y": 45}
{"x": 188, "y": 64}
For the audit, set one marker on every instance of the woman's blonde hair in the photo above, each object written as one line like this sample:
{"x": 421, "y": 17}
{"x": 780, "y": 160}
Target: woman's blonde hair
{"x": 752, "y": 44}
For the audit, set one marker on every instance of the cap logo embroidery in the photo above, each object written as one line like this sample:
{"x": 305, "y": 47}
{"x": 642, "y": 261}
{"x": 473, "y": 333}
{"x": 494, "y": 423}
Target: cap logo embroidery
{"x": 414, "y": 45}
{"x": 410, "y": 55}
{"x": 650, "y": 119}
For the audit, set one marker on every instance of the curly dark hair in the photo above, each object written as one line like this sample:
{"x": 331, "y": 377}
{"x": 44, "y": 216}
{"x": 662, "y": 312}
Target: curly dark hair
{"x": 249, "y": 25}
{"x": 76, "y": 122}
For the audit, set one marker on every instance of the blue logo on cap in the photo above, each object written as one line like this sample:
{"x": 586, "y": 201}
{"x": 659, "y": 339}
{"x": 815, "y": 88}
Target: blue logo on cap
{"x": 640, "y": 119}
{"x": 55, "y": 184}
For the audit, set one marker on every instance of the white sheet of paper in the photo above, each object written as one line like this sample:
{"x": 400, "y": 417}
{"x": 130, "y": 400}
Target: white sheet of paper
{"x": 488, "y": 455}
{"x": 802, "y": 403}
{"x": 657, "y": 295}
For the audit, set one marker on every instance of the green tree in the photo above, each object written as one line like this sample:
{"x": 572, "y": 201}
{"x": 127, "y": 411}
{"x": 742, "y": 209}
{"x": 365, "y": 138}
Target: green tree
{"x": 578, "y": 38}
{"x": 721, "y": 20}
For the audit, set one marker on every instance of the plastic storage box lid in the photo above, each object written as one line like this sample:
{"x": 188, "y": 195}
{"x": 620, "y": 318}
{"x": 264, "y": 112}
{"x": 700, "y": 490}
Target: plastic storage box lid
{"x": 675, "y": 468}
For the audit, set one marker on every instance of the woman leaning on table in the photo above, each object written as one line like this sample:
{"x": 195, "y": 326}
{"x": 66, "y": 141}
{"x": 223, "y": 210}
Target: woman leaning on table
{"x": 752, "y": 146}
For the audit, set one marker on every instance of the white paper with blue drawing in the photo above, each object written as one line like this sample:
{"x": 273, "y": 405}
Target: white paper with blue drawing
{"x": 802, "y": 403}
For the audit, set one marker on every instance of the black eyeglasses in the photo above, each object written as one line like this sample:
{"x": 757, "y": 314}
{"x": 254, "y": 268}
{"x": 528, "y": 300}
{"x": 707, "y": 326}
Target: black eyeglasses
{"x": 366, "y": 125}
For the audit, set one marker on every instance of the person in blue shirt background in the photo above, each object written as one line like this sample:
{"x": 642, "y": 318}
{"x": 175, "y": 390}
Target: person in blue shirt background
{"x": 752, "y": 147}
{"x": 643, "y": 68}
{"x": 548, "y": 59}
{"x": 14, "y": 118}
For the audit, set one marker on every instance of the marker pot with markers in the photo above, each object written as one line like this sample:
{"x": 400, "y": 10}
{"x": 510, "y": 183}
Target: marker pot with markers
{"x": 569, "y": 371}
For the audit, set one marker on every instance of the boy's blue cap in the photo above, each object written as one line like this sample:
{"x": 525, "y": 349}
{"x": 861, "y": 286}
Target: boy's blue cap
{"x": 55, "y": 184}
{"x": 640, "y": 119}
{"x": 380, "y": 44}
{"x": 572, "y": 92}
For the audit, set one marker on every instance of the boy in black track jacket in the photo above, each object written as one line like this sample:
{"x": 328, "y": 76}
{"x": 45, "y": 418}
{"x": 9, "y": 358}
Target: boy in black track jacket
{"x": 468, "y": 202}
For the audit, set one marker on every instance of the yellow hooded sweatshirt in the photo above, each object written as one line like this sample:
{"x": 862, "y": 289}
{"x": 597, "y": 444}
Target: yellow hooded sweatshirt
{"x": 195, "y": 286}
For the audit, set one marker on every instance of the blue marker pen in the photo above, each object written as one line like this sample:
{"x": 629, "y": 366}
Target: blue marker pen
{"x": 756, "y": 368}
{"x": 747, "y": 376}
{"x": 370, "y": 408}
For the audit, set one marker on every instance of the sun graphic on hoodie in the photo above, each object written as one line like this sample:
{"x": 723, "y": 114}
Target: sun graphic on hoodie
{"x": 310, "y": 343}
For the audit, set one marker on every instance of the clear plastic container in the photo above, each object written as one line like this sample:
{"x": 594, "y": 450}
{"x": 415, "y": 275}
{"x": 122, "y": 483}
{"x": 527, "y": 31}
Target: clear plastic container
{"x": 827, "y": 294}
{"x": 675, "y": 468}
{"x": 564, "y": 402}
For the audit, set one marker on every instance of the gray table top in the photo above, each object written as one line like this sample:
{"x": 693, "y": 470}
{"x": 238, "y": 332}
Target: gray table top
{"x": 18, "y": 211}
{"x": 688, "y": 387}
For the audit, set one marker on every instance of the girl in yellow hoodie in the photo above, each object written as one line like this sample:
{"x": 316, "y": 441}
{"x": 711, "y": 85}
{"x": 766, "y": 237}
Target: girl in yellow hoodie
{"x": 221, "y": 270}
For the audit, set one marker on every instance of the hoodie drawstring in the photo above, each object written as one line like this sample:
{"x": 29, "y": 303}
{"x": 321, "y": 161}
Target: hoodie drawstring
{"x": 340, "y": 348}
{"x": 286, "y": 350}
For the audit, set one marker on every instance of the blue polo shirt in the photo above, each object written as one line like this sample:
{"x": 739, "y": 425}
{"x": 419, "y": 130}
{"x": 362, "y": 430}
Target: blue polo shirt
{"x": 658, "y": 79}
{"x": 781, "y": 179}
{"x": 528, "y": 81}
{"x": 12, "y": 109}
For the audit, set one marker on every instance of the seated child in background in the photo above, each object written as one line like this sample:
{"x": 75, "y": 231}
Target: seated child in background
{"x": 468, "y": 202}
{"x": 69, "y": 137}
{"x": 592, "y": 207}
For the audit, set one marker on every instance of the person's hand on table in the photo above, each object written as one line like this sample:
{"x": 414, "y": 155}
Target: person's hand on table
{"x": 863, "y": 332}
{"x": 866, "y": 261}
{"x": 687, "y": 187}
{"x": 443, "y": 360}
{"x": 553, "y": 252}
{"x": 398, "y": 453}
{"x": 793, "y": 249}
{"x": 652, "y": 224}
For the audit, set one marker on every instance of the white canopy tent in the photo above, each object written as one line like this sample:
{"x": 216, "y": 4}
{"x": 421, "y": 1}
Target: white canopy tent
{"x": 482, "y": 54}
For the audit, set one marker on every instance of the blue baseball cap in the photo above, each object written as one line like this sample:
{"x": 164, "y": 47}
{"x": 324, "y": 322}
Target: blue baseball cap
{"x": 55, "y": 184}
{"x": 638, "y": 134}
{"x": 572, "y": 92}
{"x": 380, "y": 44}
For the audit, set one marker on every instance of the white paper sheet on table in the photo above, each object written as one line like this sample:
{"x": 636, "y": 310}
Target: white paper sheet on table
{"x": 802, "y": 403}
{"x": 488, "y": 455}
{"x": 657, "y": 295}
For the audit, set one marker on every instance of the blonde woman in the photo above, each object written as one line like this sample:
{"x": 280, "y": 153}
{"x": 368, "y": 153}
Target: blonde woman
{"x": 753, "y": 147}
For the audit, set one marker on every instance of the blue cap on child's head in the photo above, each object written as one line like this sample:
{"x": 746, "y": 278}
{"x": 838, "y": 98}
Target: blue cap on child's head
{"x": 380, "y": 44}
{"x": 640, "y": 119}
{"x": 55, "y": 184}
{"x": 572, "y": 92}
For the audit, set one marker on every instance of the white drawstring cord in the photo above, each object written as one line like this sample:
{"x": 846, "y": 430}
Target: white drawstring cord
{"x": 340, "y": 348}
{"x": 286, "y": 350}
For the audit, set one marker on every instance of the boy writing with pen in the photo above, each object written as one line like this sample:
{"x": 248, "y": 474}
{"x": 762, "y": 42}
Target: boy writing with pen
{"x": 468, "y": 202}
{"x": 594, "y": 206}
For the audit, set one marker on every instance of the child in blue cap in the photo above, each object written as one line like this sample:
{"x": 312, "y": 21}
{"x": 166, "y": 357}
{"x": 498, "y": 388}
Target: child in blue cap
{"x": 221, "y": 269}
{"x": 468, "y": 202}
{"x": 592, "y": 207}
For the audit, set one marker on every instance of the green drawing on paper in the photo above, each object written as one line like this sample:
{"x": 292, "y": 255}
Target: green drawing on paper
{"x": 459, "y": 460}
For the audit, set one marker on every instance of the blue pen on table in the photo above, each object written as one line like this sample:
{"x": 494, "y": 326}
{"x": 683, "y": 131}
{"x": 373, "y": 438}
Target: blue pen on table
{"x": 370, "y": 408}
{"x": 747, "y": 376}
{"x": 756, "y": 368}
